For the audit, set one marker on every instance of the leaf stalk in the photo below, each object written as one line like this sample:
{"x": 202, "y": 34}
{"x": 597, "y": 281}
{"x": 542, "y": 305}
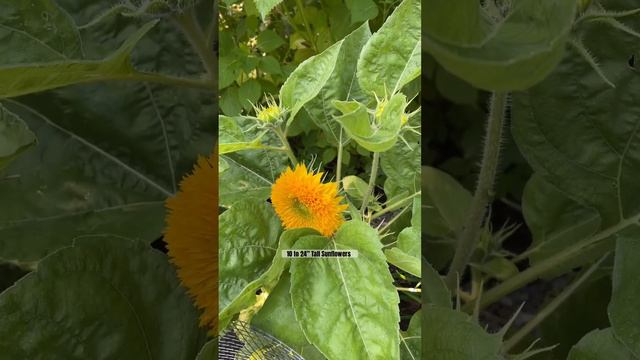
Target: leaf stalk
{"x": 372, "y": 181}
{"x": 188, "y": 23}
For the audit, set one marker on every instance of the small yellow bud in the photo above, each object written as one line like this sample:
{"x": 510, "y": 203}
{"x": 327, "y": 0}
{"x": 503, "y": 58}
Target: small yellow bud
{"x": 270, "y": 112}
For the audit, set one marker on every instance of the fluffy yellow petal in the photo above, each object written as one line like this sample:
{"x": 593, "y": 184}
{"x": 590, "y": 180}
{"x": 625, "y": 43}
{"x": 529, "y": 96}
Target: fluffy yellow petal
{"x": 191, "y": 237}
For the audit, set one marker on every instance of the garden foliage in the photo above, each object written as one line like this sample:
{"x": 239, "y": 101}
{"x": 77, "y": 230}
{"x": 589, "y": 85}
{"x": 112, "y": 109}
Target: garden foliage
{"x": 104, "y": 107}
{"x": 570, "y": 71}
{"x": 356, "y": 96}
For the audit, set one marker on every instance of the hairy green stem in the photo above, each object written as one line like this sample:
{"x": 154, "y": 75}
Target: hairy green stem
{"x": 552, "y": 306}
{"x": 468, "y": 237}
{"x": 285, "y": 143}
{"x": 188, "y": 23}
{"x": 372, "y": 181}
{"x": 551, "y": 263}
{"x": 339, "y": 164}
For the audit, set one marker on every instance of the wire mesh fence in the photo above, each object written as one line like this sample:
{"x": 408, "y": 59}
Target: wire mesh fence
{"x": 243, "y": 342}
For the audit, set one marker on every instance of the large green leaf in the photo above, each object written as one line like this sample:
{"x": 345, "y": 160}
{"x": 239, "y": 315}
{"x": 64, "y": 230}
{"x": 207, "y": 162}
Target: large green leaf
{"x": 453, "y": 335}
{"x": 499, "y": 53}
{"x": 306, "y": 81}
{"x": 100, "y": 299}
{"x": 278, "y": 319}
{"x": 401, "y": 165}
{"x": 249, "y": 231}
{"x": 477, "y": 23}
{"x": 245, "y": 179}
{"x": 411, "y": 340}
{"x": 250, "y": 173}
{"x": 341, "y": 85}
{"x": 624, "y": 313}
{"x": 583, "y": 137}
{"x": 391, "y": 58}
{"x": 266, "y": 282}
{"x": 109, "y": 154}
{"x": 335, "y": 301}
{"x": 556, "y": 223}
{"x": 599, "y": 345}
{"x": 15, "y": 137}
{"x": 41, "y": 29}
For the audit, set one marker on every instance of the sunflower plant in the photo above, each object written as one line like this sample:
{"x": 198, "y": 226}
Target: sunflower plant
{"x": 358, "y": 95}
{"x": 562, "y": 79}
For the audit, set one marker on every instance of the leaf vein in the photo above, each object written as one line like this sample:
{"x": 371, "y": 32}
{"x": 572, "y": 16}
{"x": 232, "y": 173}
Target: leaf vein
{"x": 95, "y": 148}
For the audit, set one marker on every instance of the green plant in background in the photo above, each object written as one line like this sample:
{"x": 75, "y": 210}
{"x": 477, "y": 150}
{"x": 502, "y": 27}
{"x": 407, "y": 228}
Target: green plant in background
{"x": 256, "y": 57}
{"x": 359, "y": 103}
{"x": 565, "y": 73}
{"x": 120, "y": 99}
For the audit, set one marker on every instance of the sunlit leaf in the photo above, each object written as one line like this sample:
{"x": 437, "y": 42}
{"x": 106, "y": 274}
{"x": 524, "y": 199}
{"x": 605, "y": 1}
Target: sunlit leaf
{"x": 306, "y": 81}
{"x": 399, "y": 40}
{"x": 331, "y": 295}
{"x": 250, "y": 230}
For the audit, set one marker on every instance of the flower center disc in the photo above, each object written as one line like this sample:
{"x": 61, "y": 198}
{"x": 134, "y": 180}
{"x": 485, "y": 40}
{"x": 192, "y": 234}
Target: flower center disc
{"x": 301, "y": 208}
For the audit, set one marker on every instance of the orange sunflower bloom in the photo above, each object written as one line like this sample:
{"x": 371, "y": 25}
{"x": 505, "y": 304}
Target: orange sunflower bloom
{"x": 301, "y": 200}
{"x": 191, "y": 237}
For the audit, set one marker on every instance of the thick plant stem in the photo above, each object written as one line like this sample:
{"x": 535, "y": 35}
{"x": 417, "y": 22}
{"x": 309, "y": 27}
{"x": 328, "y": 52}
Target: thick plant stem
{"x": 467, "y": 240}
{"x": 189, "y": 25}
{"x": 339, "y": 164}
{"x": 372, "y": 181}
{"x": 552, "y": 306}
{"x": 286, "y": 145}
